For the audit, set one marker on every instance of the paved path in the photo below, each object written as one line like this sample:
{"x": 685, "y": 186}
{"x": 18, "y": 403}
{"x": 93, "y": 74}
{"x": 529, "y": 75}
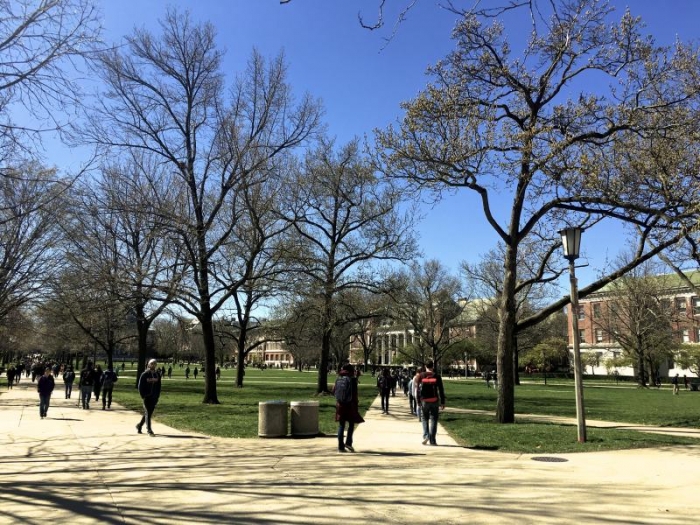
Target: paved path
{"x": 91, "y": 467}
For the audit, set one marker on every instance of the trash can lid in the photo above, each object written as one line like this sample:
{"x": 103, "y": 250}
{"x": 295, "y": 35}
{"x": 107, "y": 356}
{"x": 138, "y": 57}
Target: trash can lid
{"x": 273, "y": 402}
{"x": 304, "y": 403}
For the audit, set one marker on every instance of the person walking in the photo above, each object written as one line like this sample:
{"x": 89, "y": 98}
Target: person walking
{"x": 68, "y": 379}
{"x": 149, "y": 390}
{"x": 674, "y": 382}
{"x": 384, "y": 387}
{"x": 187, "y": 372}
{"x": 108, "y": 380}
{"x": 11, "y": 377}
{"x": 170, "y": 371}
{"x": 346, "y": 406}
{"x": 86, "y": 384}
{"x": 195, "y": 372}
{"x": 45, "y": 386}
{"x": 98, "y": 382}
{"x": 432, "y": 401}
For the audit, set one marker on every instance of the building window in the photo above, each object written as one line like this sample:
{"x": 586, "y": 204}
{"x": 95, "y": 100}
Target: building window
{"x": 665, "y": 305}
{"x": 696, "y": 305}
{"x": 598, "y": 335}
{"x": 582, "y": 336}
{"x": 581, "y": 313}
{"x": 686, "y": 336}
{"x": 697, "y": 335}
{"x": 596, "y": 310}
{"x": 681, "y": 304}
{"x": 671, "y": 364}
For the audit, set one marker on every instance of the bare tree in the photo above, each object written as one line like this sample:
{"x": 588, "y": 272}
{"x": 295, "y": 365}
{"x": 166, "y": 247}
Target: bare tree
{"x": 40, "y": 44}
{"x": 166, "y": 96}
{"x": 429, "y": 301}
{"x": 635, "y": 316}
{"x": 29, "y": 214}
{"x": 520, "y": 126}
{"x": 346, "y": 221}
{"x": 117, "y": 243}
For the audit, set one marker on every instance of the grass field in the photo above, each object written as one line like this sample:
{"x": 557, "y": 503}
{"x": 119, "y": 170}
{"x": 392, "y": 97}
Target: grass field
{"x": 237, "y": 415}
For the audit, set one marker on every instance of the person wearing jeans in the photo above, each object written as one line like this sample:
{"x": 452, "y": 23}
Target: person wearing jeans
{"x": 432, "y": 400}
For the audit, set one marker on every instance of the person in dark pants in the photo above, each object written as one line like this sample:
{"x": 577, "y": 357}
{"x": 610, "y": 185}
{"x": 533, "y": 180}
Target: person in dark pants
{"x": 45, "y": 386}
{"x": 347, "y": 412}
{"x": 432, "y": 401}
{"x": 108, "y": 380}
{"x": 98, "y": 382}
{"x": 149, "y": 390}
{"x": 86, "y": 384}
{"x": 68, "y": 379}
{"x": 384, "y": 387}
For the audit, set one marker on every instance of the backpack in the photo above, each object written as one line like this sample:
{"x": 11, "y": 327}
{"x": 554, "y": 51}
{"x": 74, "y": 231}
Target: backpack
{"x": 343, "y": 390}
{"x": 428, "y": 388}
{"x": 381, "y": 383}
{"x": 108, "y": 380}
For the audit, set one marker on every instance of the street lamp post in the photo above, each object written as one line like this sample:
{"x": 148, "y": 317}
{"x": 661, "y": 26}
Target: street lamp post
{"x": 571, "y": 241}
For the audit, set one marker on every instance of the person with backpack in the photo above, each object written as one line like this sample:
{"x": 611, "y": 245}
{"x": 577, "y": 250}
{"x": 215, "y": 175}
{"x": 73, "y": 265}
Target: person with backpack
{"x": 149, "y": 390}
{"x": 431, "y": 394}
{"x": 68, "y": 379}
{"x": 86, "y": 384}
{"x": 384, "y": 387}
{"x": 108, "y": 380}
{"x": 346, "y": 406}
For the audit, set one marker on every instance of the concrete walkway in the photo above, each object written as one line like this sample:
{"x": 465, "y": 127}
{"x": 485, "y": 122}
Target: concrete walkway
{"x": 91, "y": 467}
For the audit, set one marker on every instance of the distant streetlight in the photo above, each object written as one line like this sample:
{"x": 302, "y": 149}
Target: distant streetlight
{"x": 571, "y": 242}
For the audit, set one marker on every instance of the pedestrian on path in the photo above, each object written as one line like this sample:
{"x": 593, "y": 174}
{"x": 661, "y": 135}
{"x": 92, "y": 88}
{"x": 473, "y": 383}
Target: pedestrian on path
{"x": 108, "y": 380}
{"x": 68, "y": 379}
{"x": 195, "y": 372}
{"x": 674, "y": 382}
{"x": 149, "y": 390}
{"x": 432, "y": 400}
{"x": 45, "y": 386}
{"x": 346, "y": 406}
{"x": 187, "y": 372}
{"x": 10, "y": 377}
{"x": 98, "y": 382}
{"x": 384, "y": 387}
{"x": 86, "y": 384}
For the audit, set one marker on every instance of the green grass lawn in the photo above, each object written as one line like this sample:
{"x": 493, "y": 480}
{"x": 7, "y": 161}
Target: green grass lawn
{"x": 604, "y": 401}
{"x": 237, "y": 415}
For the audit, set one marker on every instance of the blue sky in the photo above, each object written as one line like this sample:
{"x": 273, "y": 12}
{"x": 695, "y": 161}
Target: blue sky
{"x": 362, "y": 81}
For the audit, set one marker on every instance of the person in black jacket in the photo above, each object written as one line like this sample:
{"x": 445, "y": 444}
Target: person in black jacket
{"x": 45, "y": 386}
{"x": 86, "y": 384}
{"x": 149, "y": 390}
{"x": 109, "y": 377}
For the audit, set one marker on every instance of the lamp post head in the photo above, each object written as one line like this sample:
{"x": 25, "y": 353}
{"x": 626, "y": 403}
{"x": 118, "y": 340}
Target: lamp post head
{"x": 571, "y": 242}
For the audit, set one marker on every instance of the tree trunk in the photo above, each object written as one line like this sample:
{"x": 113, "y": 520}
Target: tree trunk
{"x": 505, "y": 407}
{"x": 142, "y": 334}
{"x": 322, "y": 385}
{"x": 210, "y": 396}
{"x": 640, "y": 369}
{"x": 240, "y": 366}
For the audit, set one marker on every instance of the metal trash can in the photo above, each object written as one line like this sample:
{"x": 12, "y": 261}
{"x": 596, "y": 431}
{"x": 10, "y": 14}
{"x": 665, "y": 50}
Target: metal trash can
{"x": 272, "y": 419}
{"x": 304, "y": 418}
